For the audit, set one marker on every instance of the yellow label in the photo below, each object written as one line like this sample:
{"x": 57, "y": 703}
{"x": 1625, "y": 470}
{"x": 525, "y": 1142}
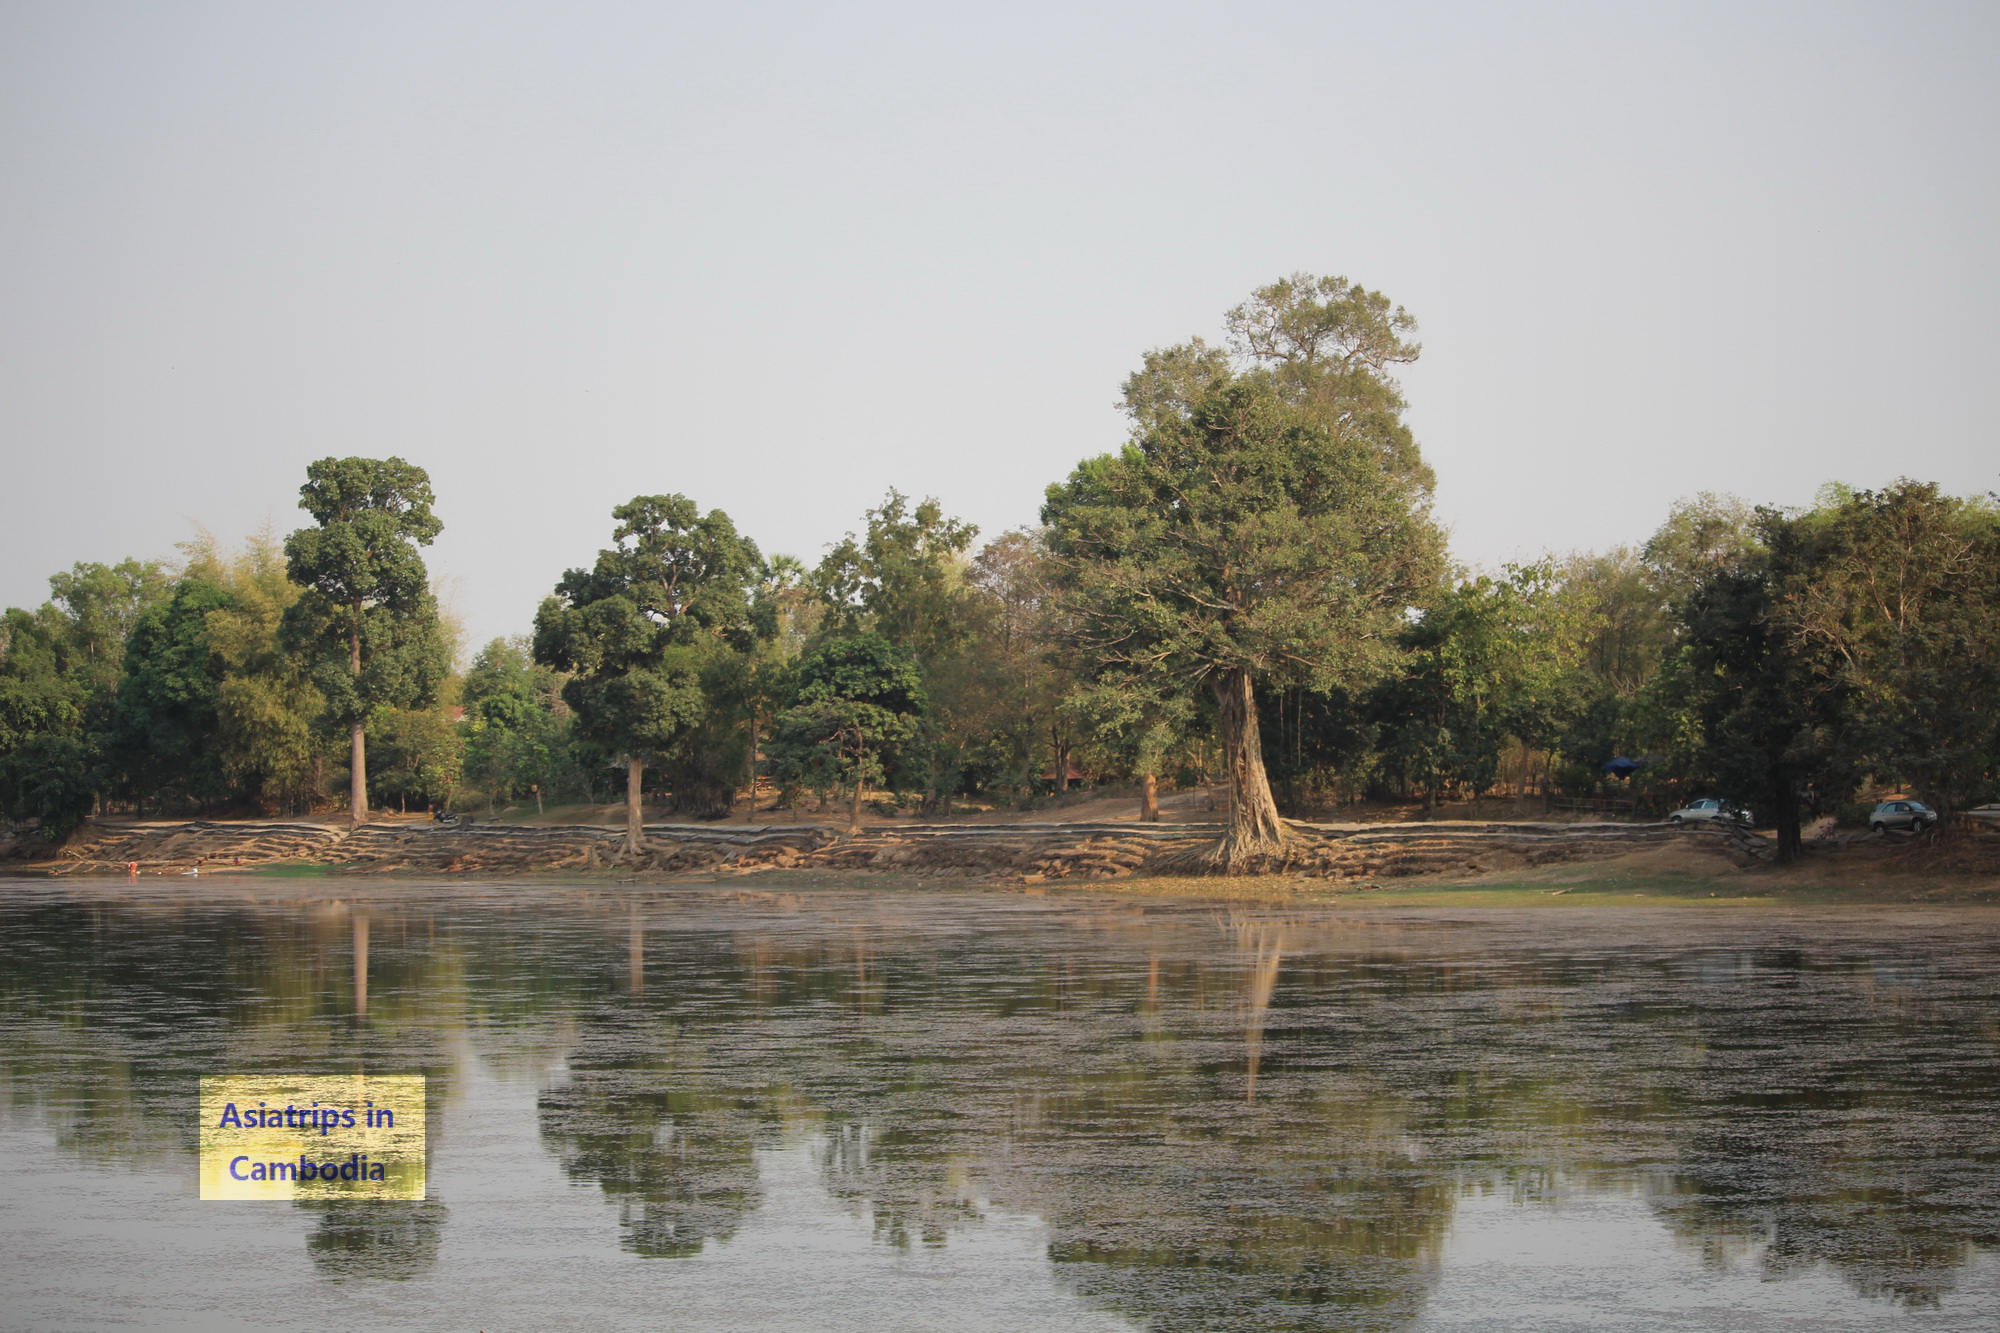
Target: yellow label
{"x": 312, "y": 1136}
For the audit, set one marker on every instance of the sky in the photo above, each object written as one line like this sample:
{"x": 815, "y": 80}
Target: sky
{"x": 783, "y": 257}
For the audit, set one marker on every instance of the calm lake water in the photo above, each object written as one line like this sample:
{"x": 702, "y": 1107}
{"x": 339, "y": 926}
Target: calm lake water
{"x": 705, "y": 1108}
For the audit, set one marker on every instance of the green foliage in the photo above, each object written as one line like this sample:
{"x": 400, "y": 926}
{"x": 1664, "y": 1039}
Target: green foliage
{"x": 642, "y": 629}
{"x": 906, "y": 579}
{"x": 1241, "y": 536}
{"x": 59, "y": 663}
{"x": 366, "y": 621}
{"x": 1002, "y": 703}
{"x": 1757, "y": 716}
{"x": 517, "y": 729}
{"x": 1853, "y": 814}
{"x": 1700, "y": 536}
{"x": 266, "y": 705}
{"x": 858, "y": 697}
{"x": 1896, "y": 595}
{"x": 1253, "y": 582}
{"x": 1124, "y": 727}
{"x": 165, "y": 723}
{"x": 59, "y": 669}
{"x": 1616, "y": 611}
{"x": 703, "y": 772}
{"x": 1488, "y": 661}
{"x": 1858, "y": 637}
{"x": 1267, "y": 525}
{"x": 52, "y": 777}
{"x": 416, "y": 757}
{"x": 1270, "y": 519}
{"x": 644, "y": 710}
{"x": 39, "y": 695}
{"x": 674, "y": 577}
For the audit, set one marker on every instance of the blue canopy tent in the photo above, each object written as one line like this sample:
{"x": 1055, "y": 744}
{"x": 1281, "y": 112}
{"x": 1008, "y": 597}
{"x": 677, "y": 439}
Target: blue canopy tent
{"x": 1621, "y": 767}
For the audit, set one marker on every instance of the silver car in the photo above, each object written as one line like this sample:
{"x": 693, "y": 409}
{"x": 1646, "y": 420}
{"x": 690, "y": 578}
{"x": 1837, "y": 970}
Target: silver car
{"x": 1708, "y": 810}
{"x": 1912, "y": 815}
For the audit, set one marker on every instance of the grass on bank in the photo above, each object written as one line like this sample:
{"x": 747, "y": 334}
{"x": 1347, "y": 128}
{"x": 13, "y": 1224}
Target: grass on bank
{"x": 1664, "y": 877}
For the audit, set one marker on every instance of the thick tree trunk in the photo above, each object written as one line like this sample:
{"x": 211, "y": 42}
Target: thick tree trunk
{"x": 357, "y": 780}
{"x": 1149, "y": 798}
{"x": 1785, "y": 819}
{"x": 1255, "y": 830}
{"x": 854, "y": 812}
{"x": 357, "y": 768}
{"x": 635, "y": 815}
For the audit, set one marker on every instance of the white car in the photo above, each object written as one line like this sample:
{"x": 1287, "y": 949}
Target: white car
{"x": 1708, "y": 810}
{"x": 1912, "y": 815}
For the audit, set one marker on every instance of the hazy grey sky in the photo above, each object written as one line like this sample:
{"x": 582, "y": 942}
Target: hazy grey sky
{"x": 783, "y": 257}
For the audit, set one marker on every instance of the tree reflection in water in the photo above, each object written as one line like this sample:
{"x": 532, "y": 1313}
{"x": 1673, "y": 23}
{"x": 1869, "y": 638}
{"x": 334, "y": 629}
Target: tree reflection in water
{"x": 1281, "y": 1226}
{"x": 393, "y": 1239}
{"x": 114, "y": 1006}
{"x": 1868, "y": 1148}
{"x": 1225, "y": 1121}
{"x": 680, "y": 1161}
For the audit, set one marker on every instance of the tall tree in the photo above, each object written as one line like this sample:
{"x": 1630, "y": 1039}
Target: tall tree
{"x": 1022, "y": 722}
{"x": 1898, "y": 591}
{"x": 858, "y": 697}
{"x": 420, "y": 757}
{"x": 906, "y": 579}
{"x": 1750, "y": 711}
{"x": 1858, "y": 637}
{"x": 638, "y": 628}
{"x": 1620, "y": 618}
{"x": 265, "y": 703}
{"x": 1268, "y": 522}
{"x": 59, "y": 670}
{"x": 166, "y": 724}
{"x": 517, "y": 727}
{"x": 1489, "y": 660}
{"x": 1132, "y": 726}
{"x": 1701, "y": 535}
{"x": 366, "y": 622}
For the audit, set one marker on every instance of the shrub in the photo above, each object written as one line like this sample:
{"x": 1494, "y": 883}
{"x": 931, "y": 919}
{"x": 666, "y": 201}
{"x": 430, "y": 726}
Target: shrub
{"x": 1853, "y": 814}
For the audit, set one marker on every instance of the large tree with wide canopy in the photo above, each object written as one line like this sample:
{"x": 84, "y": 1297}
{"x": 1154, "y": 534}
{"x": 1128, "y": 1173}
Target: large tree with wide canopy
{"x": 638, "y": 627}
{"x": 1267, "y": 524}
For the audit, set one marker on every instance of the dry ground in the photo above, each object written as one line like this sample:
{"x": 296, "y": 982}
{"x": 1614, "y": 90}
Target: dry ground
{"x": 1420, "y": 864}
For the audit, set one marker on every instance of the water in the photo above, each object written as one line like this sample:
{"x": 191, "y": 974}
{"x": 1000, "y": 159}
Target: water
{"x": 703, "y": 1108}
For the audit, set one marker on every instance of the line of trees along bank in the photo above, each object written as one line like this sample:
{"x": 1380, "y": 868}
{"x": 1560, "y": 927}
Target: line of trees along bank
{"x": 1252, "y": 589}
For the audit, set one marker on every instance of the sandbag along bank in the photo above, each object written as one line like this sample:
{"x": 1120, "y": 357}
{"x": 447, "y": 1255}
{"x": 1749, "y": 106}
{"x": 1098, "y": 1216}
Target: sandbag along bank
{"x": 1031, "y": 853}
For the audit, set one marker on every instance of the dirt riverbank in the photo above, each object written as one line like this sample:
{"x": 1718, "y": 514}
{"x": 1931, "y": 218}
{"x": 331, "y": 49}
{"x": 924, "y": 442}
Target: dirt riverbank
{"x": 1439, "y": 862}
{"x": 1028, "y": 852}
